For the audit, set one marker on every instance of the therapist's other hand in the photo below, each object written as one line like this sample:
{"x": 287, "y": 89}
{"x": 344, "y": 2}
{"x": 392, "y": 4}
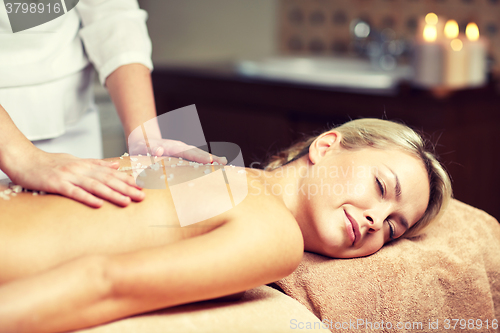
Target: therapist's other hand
{"x": 174, "y": 148}
{"x": 88, "y": 181}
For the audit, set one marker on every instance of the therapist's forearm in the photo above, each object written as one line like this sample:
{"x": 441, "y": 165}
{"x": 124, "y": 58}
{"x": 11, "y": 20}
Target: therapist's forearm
{"x": 13, "y": 144}
{"x": 131, "y": 90}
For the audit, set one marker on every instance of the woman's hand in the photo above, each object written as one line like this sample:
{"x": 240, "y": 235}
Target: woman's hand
{"x": 85, "y": 180}
{"x": 174, "y": 148}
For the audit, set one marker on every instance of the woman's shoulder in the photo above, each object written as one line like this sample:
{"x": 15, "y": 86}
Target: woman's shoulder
{"x": 267, "y": 214}
{"x": 258, "y": 198}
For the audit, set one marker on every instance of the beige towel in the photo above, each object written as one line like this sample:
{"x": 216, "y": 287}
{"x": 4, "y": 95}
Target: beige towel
{"x": 261, "y": 309}
{"x": 450, "y": 272}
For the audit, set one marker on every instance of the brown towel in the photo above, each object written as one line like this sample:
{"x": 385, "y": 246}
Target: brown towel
{"x": 450, "y": 272}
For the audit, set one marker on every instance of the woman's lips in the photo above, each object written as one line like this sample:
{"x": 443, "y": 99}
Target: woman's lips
{"x": 352, "y": 228}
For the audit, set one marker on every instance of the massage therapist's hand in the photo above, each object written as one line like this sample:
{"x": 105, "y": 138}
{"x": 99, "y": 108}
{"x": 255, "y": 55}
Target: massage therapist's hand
{"x": 85, "y": 180}
{"x": 174, "y": 148}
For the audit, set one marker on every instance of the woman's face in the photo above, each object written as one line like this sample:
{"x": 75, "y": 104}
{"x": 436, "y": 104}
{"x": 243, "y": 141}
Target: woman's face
{"x": 355, "y": 201}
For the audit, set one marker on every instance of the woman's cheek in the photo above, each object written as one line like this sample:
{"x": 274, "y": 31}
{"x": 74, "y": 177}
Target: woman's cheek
{"x": 373, "y": 245}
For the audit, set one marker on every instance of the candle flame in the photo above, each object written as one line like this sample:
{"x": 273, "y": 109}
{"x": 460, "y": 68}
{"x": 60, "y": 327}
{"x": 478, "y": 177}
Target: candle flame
{"x": 451, "y": 29}
{"x": 430, "y": 33}
{"x": 472, "y": 31}
{"x": 431, "y": 18}
{"x": 456, "y": 44}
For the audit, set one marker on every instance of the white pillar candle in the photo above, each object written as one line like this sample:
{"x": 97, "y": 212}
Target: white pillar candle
{"x": 455, "y": 59}
{"x": 428, "y": 59}
{"x": 455, "y": 68}
{"x": 476, "y": 48}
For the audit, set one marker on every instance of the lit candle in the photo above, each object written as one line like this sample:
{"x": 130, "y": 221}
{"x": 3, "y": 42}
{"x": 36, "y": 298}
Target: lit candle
{"x": 428, "y": 55}
{"x": 476, "y": 48}
{"x": 451, "y": 29}
{"x": 431, "y": 19}
{"x": 455, "y": 60}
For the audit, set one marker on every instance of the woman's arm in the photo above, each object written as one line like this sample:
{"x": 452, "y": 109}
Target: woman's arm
{"x": 239, "y": 255}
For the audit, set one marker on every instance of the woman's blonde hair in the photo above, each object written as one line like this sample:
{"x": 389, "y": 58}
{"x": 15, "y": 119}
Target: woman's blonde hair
{"x": 384, "y": 134}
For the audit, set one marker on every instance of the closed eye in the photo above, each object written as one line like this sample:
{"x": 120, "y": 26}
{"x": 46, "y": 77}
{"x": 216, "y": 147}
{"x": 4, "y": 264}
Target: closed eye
{"x": 380, "y": 186}
{"x": 391, "y": 230}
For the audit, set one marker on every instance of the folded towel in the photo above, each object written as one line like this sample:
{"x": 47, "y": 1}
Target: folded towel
{"x": 450, "y": 272}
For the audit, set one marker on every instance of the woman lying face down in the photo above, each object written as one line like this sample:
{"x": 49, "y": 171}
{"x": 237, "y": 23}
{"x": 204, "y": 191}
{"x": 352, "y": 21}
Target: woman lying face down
{"x": 343, "y": 194}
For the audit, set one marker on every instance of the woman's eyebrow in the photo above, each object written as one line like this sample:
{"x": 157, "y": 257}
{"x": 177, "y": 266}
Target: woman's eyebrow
{"x": 397, "y": 187}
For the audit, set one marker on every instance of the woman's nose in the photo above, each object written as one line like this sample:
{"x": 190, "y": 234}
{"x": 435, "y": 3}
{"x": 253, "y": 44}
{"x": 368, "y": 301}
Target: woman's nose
{"x": 376, "y": 217}
{"x": 374, "y": 223}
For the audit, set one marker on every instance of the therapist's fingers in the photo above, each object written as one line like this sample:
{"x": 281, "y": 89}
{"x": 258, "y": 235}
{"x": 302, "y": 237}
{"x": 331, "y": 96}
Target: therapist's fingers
{"x": 90, "y": 190}
{"x": 98, "y": 189}
{"x": 123, "y": 187}
{"x": 124, "y": 177}
{"x": 127, "y": 179}
{"x": 220, "y": 159}
{"x": 92, "y": 181}
{"x": 76, "y": 193}
{"x": 201, "y": 156}
{"x": 159, "y": 151}
{"x": 110, "y": 164}
{"x": 175, "y": 148}
{"x": 84, "y": 180}
{"x": 188, "y": 152}
{"x": 113, "y": 186}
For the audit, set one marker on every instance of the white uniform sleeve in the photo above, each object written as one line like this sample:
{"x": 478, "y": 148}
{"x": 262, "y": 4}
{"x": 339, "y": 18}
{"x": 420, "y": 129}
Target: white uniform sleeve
{"x": 114, "y": 33}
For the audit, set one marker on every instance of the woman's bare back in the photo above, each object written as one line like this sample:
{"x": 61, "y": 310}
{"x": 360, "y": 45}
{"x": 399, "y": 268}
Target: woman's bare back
{"x": 132, "y": 260}
{"x": 39, "y": 232}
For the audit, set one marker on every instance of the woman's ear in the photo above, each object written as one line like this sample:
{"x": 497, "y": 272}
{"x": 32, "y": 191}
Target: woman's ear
{"x": 324, "y": 143}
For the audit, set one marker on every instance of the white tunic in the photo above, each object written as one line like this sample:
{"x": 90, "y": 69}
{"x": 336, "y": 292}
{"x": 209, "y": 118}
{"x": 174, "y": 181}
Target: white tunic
{"x": 45, "y": 71}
